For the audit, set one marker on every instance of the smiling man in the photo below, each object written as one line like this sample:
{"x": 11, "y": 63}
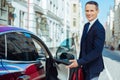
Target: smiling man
{"x": 92, "y": 43}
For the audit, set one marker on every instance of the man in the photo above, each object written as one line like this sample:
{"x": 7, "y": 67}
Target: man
{"x": 92, "y": 43}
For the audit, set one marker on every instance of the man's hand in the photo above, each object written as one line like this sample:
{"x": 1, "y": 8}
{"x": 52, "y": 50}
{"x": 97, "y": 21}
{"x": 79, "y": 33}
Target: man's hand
{"x": 73, "y": 64}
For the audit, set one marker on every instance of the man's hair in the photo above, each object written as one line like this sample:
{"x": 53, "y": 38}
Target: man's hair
{"x": 93, "y": 3}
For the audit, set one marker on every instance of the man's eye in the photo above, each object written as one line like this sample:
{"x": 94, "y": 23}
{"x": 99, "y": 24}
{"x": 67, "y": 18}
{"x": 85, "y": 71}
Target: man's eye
{"x": 87, "y": 10}
{"x": 91, "y": 10}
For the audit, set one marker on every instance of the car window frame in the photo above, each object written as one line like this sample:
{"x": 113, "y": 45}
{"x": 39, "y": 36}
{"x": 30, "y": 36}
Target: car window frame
{"x": 41, "y": 43}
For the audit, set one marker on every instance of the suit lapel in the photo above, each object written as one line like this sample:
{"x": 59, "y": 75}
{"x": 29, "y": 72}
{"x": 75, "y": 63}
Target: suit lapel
{"x": 84, "y": 33}
{"x": 92, "y": 27}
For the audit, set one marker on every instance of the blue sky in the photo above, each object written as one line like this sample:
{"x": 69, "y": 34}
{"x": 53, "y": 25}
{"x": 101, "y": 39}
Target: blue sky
{"x": 104, "y": 7}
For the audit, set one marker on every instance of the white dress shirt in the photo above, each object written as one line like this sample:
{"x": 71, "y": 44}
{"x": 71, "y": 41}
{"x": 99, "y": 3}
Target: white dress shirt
{"x": 91, "y": 23}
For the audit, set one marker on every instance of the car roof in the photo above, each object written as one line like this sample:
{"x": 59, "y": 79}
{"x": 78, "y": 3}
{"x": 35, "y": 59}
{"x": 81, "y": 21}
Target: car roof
{"x": 7, "y": 29}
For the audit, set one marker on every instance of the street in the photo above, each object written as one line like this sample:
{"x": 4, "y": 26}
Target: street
{"x": 111, "y": 71}
{"x": 112, "y": 64}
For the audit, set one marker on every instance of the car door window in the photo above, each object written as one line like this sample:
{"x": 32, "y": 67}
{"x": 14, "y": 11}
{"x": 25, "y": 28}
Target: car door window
{"x": 66, "y": 47}
{"x": 40, "y": 50}
{"x": 2, "y": 46}
{"x": 22, "y": 47}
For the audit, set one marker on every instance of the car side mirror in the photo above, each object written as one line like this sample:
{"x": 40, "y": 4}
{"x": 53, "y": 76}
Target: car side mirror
{"x": 66, "y": 56}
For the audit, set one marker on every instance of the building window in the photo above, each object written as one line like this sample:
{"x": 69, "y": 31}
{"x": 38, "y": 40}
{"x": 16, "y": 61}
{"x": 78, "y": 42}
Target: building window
{"x": 11, "y": 19}
{"x": 74, "y": 7}
{"x": 11, "y": 15}
{"x": 3, "y": 3}
{"x": 50, "y": 6}
{"x": 74, "y": 22}
{"x": 22, "y": 18}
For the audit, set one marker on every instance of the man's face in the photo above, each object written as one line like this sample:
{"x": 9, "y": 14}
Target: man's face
{"x": 91, "y": 12}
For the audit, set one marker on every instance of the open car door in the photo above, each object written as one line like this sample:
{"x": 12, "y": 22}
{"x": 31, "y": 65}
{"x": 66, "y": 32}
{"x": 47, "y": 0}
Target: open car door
{"x": 65, "y": 52}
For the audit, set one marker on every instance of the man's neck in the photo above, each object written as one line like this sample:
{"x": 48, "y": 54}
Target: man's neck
{"x": 91, "y": 22}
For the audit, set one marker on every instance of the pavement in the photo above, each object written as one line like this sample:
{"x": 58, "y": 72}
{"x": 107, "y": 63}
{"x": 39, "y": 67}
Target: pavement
{"x": 111, "y": 71}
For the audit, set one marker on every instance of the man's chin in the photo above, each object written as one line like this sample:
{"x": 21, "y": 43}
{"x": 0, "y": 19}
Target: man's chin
{"x": 90, "y": 20}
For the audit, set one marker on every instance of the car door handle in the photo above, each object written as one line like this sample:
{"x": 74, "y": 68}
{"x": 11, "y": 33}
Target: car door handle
{"x": 23, "y": 77}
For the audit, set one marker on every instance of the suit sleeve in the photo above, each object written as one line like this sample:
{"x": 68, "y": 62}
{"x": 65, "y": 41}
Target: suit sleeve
{"x": 98, "y": 47}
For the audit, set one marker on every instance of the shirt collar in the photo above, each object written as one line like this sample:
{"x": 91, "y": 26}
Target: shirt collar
{"x": 92, "y": 22}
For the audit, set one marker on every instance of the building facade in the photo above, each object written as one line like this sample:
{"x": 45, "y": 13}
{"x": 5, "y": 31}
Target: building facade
{"x": 113, "y": 26}
{"x": 49, "y": 19}
{"x": 76, "y": 23}
{"x": 116, "y": 24}
{"x": 110, "y": 28}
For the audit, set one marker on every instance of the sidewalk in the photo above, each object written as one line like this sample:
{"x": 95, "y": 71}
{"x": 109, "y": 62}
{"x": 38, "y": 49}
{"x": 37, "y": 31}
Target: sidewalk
{"x": 112, "y": 63}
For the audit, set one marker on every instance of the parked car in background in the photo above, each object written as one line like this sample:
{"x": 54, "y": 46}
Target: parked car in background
{"x": 24, "y": 56}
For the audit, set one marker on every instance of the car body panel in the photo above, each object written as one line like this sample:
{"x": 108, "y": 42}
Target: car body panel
{"x": 32, "y": 69}
{"x": 22, "y": 44}
{"x": 13, "y": 69}
{"x": 10, "y": 29}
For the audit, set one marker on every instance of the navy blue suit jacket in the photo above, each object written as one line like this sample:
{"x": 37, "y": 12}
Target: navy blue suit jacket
{"x": 91, "y": 49}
